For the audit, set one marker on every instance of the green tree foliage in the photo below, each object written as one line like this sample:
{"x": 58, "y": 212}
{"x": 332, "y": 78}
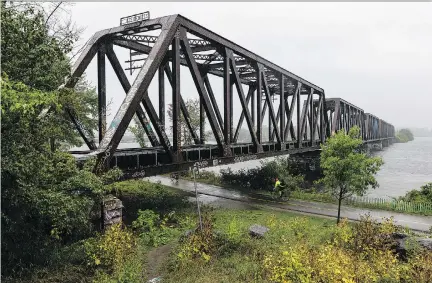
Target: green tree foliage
{"x": 422, "y": 195}
{"x": 34, "y": 57}
{"x": 139, "y": 132}
{"x": 346, "y": 169}
{"x": 193, "y": 108}
{"x": 29, "y": 54}
{"x": 404, "y": 135}
{"x": 46, "y": 200}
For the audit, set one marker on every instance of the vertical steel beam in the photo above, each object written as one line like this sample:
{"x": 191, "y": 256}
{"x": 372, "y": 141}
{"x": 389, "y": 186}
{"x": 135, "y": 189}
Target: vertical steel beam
{"x": 270, "y": 125}
{"x": 258, "y": 109}
{"x": 176, "y": 97}
{"x": 282, "y": 108}
{"x": 118, "y": 70}
{"x": 232, "y": 109}
{"x": 161, "y": 81}
{"x": 101, "y": 91}
{"x": 202, "y": 122}
{"x": 322, "y": 119}
{"x": 227, "y": 100}
{"x": 299, "y": 131}
{"x": 253, "y": 108}
{"x": 312, "y": 124}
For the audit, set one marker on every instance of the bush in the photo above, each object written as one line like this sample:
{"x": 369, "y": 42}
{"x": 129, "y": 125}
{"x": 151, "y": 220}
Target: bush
{"x": 420, "y": 196}
{"x": 358, "y": 254}
{"x": 111, "y": 249}
{"x": 200, "y": 244}
{"x": 142, "y": 195}
{"x": 153, "y": 229}
{"x": 262, "y": 178}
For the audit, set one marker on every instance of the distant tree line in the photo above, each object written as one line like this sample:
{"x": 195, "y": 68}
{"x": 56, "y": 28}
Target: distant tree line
{"x": 404, "y": 135}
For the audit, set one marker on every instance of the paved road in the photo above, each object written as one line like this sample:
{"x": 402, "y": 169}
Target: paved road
{"x": 210, "y": 193}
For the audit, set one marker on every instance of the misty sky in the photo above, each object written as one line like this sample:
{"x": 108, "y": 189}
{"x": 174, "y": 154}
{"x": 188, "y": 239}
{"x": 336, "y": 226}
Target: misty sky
{"x": 377, "y": 56}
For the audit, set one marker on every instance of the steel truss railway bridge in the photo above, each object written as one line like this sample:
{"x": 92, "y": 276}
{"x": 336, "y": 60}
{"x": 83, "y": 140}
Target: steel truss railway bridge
{"x": 302, "y": 119}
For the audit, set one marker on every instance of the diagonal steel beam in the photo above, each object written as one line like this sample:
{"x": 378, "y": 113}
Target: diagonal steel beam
{"x": 240, "y": 123}
{"x": 101, "y": 91}
{"x": 270, "y": 104}
{"x": 126, "y": 87}
{"x": 291, "y": 112}
{"x": 137, "y": 93}
{"x": 242, "y": 100}
{"x": 213, "y": 100}
{"x": 336, "y": 118}
{"x": 199, "y": 83}
{"x": 304, "y": 115}
{"x": 282, "y": 108}
{"x": 227, "y": 98}
{"x": 175, "y": 47}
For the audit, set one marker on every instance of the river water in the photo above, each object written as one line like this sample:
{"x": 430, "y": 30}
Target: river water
{"x": 406, "y": 166}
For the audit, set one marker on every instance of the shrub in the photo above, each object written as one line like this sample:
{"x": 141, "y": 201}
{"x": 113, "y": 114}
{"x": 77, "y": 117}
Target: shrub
{"x": 262, "y": 178}
{"x": 152, "y": 228}
{"x": 111, "y": 249}
{"x": 200, "y": 243}
{"x": 422, "y": 195}
{"x": 142, "y": 195}
{"x": 361, "y": 253}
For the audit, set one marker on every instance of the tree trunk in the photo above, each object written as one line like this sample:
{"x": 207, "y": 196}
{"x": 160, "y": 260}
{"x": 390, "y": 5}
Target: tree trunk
{"x": 339, "y": 205}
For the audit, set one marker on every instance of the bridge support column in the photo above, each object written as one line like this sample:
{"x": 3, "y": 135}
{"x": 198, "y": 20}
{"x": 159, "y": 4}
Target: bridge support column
{"x": 111, "y": 209}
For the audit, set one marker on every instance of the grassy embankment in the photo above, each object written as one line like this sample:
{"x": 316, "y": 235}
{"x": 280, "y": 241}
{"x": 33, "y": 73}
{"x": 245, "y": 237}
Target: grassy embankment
{"x": 296, "y": 249}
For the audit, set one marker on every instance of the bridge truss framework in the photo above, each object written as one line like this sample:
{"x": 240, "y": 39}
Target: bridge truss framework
{"x": 294, "y": 126}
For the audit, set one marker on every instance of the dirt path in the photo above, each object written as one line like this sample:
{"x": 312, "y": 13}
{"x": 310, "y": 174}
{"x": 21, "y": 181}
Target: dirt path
{"x": 155, "y": 258}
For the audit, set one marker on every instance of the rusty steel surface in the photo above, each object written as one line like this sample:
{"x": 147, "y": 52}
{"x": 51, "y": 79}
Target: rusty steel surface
{"x": 300, "y": 121}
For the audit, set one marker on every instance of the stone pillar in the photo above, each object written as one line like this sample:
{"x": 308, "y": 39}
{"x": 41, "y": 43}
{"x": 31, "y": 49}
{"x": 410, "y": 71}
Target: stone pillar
{"x": 111, "y": 211}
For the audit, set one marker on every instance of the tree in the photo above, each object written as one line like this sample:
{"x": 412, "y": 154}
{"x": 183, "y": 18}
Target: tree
{"x": 404, "y": 135}
{"x": 46, "y": 199}
{"x": 347, "y": 170}
{"x": 193, "y": 108}
{"x": 138, "y": 131}
{"x": 34, "y": 52}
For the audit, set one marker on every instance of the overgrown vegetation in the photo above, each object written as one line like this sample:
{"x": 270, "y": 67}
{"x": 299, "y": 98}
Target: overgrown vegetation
{"x": 404, "y": 135}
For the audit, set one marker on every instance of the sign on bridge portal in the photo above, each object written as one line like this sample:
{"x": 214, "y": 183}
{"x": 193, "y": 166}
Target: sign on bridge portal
{"x": 135, "y": 18}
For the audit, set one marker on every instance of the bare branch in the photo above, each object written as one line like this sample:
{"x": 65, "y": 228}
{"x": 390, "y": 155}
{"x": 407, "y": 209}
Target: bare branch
{"x": 52, "y": 12}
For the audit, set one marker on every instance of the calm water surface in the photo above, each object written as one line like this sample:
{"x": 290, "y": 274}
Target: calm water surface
{"x": 406, "y": 166}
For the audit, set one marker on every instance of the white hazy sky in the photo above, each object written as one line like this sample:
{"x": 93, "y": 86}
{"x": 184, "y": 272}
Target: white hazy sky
{"x": 377, "y": 56}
